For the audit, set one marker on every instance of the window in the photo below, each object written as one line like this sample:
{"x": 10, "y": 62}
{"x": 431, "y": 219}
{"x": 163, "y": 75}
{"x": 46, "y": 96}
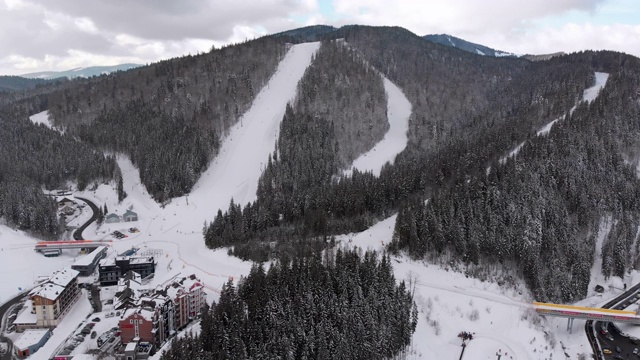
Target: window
{"x": 130, "y": 321}
{"x": 140, "y": 321}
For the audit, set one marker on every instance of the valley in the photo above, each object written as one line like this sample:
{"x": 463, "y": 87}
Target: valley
{"x": 445, "y": 221}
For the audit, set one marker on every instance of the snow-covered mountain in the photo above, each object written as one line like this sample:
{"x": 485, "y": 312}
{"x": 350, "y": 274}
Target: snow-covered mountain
{"x": 461, "y": 44}
{"x": 80, "y": 72}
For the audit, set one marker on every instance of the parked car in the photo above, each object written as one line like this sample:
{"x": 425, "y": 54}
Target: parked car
{"x": 634, "y": 340}
{"x": 96, "y": 319}
{"x": 609, "y": 337}
{"x": 606, "y": 351}
{"x": 618, "y": 350}
{"x": 94, "y": 334}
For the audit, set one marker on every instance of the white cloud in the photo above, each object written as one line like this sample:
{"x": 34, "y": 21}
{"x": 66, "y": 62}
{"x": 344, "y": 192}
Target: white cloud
{"x": 46, "y": 35}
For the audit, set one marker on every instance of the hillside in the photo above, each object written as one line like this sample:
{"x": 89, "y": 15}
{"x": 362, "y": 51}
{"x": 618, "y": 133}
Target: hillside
{"x": 82, "y": 72}
{"x": 17, "y": 83}
{"x": 502, "y": 171}
{"x": 452, "y": 41}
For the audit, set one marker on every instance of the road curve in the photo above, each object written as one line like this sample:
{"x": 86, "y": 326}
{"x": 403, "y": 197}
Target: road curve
{"x": 77, "y": 235}
{"x": 3, "y": 309}
{"x": 591, "y": 330}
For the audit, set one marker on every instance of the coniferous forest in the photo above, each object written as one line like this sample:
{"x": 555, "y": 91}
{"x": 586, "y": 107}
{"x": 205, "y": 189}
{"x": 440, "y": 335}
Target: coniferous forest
{"x": 543, "y": 206}
{"x": 458, "y": 196}
{"x": 344, "y": 307}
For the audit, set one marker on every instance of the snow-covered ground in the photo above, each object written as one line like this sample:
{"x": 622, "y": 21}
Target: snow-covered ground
{"x": 501, "y": 318}
{"x": 395, "y": 140}
{"x": 41, "y": 118}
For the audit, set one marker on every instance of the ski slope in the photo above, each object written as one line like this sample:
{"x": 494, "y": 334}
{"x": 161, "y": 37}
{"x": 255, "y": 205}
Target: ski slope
{"x": 395, "y": 140}
{"x": 588, "y": 95}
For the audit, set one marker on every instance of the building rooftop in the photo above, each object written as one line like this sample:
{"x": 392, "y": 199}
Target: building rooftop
{"x": 25, "y": 316}
{"x": 145, "y": 313}
{"x": 87, "y": 259}
{"x": 30, "y": 337}
{"x": 63, "y": 277}
{"x": 48, "y": 291}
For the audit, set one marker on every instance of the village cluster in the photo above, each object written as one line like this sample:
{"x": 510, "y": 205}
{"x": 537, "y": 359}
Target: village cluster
{"x": 130, "y": 318}
{"x": 144, "y": 318}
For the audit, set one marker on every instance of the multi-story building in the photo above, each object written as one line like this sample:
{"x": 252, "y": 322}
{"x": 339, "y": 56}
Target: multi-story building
{"x": 189, "y": 297}
{"x": 112, "y": 269}
{"x": 53, "y": 298}
{"x": 138, "y": 323}
{"x": 86, "y": 264}
{"x": 156, "y": 316}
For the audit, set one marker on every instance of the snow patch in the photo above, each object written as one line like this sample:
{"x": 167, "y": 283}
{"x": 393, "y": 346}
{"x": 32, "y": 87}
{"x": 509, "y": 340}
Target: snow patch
{"x": 479, "y": 52}
{"x": 41, "y": 118}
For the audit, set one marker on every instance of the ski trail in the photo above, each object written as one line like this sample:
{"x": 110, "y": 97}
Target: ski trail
{"x": 395, "y": 140}
{"x": 588, "y": 95}
{"x": 235, "y": 171}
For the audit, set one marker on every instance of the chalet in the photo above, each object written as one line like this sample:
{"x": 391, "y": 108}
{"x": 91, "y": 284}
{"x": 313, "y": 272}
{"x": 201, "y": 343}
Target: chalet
{"x": 65, "y": 201}
{"x": 130, "y": 216}
{"x": 67, "y": 210}
{"x": 112, "y": 218}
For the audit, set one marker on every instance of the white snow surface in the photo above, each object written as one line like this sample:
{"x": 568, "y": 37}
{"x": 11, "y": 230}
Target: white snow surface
{"x": 395, "y": 140}
{"x": 41, "y": 118}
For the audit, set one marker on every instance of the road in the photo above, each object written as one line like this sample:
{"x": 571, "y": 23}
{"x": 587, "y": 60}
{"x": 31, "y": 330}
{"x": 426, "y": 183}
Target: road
{"x": 3, "y": 309}
{"x": 598, "y": 340}
{"x": 77, "y": 235}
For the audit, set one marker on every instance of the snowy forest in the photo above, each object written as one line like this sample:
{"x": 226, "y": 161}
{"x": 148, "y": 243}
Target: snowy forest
{"x": 344, "y": 306}
{"x": 542, "y": 207}
{"x": 536, "y": 214}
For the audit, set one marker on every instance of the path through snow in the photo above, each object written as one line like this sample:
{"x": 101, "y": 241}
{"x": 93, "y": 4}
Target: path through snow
{"x": 588, "y": 95}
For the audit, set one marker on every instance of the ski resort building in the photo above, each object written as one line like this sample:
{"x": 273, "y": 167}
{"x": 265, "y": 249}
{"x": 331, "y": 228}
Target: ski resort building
{"x": 112, "y": 269}
{"x": 53, "y": 299}
{"x": 155, "y": 317}
{"x": 86, "y": 264}
{"x": 112, "y": 218}
{"x": 30, "y": 341}
{"x": 130, "y": 216}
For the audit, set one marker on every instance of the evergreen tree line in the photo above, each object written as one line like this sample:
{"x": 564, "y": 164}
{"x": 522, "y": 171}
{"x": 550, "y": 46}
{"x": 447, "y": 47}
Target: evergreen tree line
{"x": 169, "y": 153}
{"x": 341, "y": 87}
{"x": 542, "y": 209}
{"x": 33, "y": 157}
{"x": 346, "y": 307}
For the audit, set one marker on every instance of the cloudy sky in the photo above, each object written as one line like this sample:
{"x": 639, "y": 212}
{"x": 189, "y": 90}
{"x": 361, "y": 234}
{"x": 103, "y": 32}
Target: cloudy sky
{"x": 37, "y": 35}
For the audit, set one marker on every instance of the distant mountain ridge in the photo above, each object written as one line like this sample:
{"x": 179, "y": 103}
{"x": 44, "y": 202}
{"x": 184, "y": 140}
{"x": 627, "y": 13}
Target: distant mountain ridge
{"x": 452, "y": 41}
{"x": 17, "y": 83}
{"x": 80, "y": 72}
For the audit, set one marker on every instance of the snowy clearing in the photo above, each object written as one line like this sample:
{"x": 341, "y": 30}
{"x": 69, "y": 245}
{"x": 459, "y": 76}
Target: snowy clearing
{"x": 395, "y": 140}
{"x": 41, "y": 118}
